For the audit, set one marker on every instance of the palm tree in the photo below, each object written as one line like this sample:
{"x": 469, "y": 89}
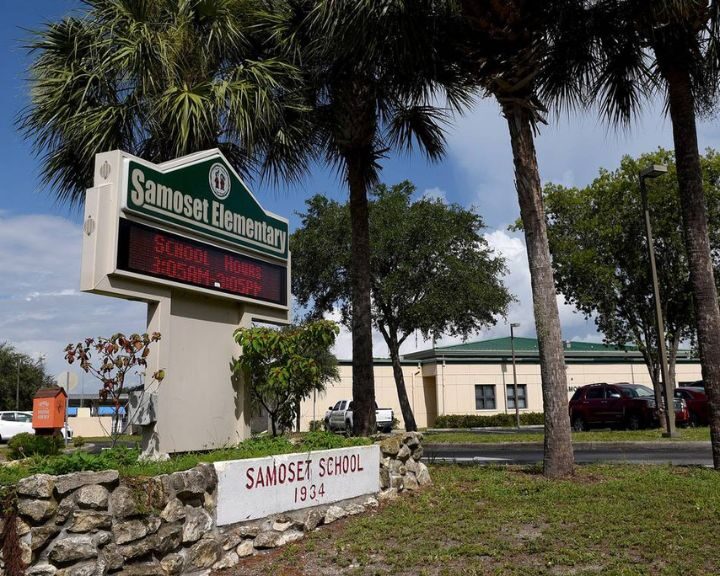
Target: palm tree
{"x": 671, "y": 47}
{"x": 159, "y": 79}
{"x": 371, "y": 71}
{"x": 519, "y": 50}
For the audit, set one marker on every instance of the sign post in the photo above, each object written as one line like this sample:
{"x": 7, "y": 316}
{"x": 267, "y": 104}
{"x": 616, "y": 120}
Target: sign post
{"x": 188, "y": 238}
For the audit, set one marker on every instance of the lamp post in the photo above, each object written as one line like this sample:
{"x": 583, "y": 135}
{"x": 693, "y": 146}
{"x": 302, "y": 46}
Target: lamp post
{"x": 654, "y": 171}
{"x": 17, "y": 385}
{"x": 514, "y": 325}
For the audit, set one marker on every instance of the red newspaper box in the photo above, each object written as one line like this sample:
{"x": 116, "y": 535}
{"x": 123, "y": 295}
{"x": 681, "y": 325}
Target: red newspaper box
{"x": 49, "y": 410}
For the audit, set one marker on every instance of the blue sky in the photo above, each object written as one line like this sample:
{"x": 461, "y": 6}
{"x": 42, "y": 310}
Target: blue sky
{"x": 41, "y": 308}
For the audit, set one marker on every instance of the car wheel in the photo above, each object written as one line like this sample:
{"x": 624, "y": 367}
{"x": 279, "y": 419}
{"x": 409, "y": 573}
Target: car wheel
{"x": 694, "y": 420}
{"x": 348, "y": 428}
{"x": 633, "y": 422}
{"x": 578, "y": 424}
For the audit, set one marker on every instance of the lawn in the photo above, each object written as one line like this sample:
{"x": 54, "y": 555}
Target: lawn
{"x": 467, "y": 437}
{"x": 608, "y": 519}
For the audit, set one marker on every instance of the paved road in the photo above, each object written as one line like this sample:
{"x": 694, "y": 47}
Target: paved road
{"x": 679, "y": 453}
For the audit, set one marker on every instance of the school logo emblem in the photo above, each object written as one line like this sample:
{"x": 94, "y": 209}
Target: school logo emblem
{"x": 219, "y": 181}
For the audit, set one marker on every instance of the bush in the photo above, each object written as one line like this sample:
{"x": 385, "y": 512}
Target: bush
{"x": 317, "y": 425}
{"x": 79, "y": 441}
{"x": 494, "y": 421}
{"x": 26, "y": 444}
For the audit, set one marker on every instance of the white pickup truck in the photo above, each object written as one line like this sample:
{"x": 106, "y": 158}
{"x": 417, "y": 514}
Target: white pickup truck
{"x": 339, "y": 418}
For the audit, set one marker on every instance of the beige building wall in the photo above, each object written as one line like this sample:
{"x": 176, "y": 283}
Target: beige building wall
{"x": 449, "y": 388}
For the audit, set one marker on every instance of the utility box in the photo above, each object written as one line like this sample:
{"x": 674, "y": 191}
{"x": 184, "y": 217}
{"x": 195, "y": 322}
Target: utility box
{"x": 49, "y": 405}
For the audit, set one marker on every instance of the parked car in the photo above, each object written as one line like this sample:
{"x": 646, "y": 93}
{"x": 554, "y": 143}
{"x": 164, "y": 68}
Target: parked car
{"x": 339, "y": 418}
{"x": 619, "y": 405}
{"x": 14, "y": 422}
{"x": 697, "y": 404}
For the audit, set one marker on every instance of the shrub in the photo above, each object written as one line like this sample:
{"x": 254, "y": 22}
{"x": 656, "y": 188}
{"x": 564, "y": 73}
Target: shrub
{"x": 79, "y": 441}
{"x": 317, "y": 425}
{"x": 26, "y": 444}
{"x": 495, "y": 420}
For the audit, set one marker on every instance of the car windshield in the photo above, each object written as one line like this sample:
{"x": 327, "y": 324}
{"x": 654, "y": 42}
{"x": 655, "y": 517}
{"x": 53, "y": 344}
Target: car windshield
{"x": 638, "y": 391}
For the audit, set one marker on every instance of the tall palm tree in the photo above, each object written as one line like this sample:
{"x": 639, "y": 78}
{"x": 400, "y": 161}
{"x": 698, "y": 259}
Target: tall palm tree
{"x": 520, "y": 48}
{"x": 372, "y": 71}
{"x": 671, "y": 47}
{"x": 159, "y": 79}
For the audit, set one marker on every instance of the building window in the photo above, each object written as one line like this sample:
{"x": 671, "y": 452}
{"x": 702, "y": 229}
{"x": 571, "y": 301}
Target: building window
{"x": 521, "y": 395}
{"x": 484, "y": 397}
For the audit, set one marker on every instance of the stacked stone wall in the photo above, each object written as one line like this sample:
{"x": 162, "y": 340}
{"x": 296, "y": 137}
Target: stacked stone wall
{"x": 96, "y": 523}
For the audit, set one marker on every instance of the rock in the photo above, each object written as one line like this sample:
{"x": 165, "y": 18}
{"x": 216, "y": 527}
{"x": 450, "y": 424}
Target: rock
{"x": 418, "y": 453}
{"x": 72, "y": 549}
{"x": 245, "y": 548}
{"x": 231, "y": 539}
{"x": 101, "y": 538}
{"x": 124, "y": 503}
{"x": 384, "y": 478}
{"x": 390, "y": 446}
{"x": 25, "y": 552}
{"x": 89, "y": 521}
{"x": 313, "y": 519}
{"x": 386, "y": 495}
{"x": 41, "y": 535}
{"x": 130, "y": 530}
{"x": 191, "y": 484}
{"x": 172, "y": 564}
{"x": 169, "y": 537}
{"x": 153, "y": 568}
{"x": 65, "y": 509}
{"x": 36, "y": 510}
{"x": 423, "y": 476}
{"x": 268, "y": 539}
{"x": 334, "y": 513}
{"x": 68, "y": 482}
{"x": 411, "y": 439}
{"x": 228, "y": 561}
{"x": 43, "y": 569}
{"x": 93, "y": 497}
{"x": 203, "y": 554}
{"x": 21, "y": 527}
{"x": 290, "y": 536}
{"x": 397, "y": 482}
{"x": 412, "y": 466}
{"x": 404, "y": 453}
{"x": 397, "y": 467}
{"x": 282, "y": 526}
{"x": 138, "y": 547}
{"x": 371, "y": 502}
{"x": 197, "y": 523}
{"x": 173, "y": 511}
{"x": 84, "y": 569}
{"x": 410, "y": 482}
{"x": 111, "y": 557}
{"x": 37, "y": 486}
{"x": 354, "y": 509}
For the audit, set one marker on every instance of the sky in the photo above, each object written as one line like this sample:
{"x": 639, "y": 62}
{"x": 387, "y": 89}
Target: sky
{"x": 42, "y": 308}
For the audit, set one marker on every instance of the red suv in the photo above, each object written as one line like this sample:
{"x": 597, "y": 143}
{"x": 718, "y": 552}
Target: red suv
{"x": 697, "y": 404}
{"x": 619, "y": 405}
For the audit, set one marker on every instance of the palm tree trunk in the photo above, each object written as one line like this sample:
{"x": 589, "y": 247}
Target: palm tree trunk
{"x": 558, "y": 456}
{"x": 694, "y": 215}
{"x": 363, "y": 386}
{"x": 405, "y": 407}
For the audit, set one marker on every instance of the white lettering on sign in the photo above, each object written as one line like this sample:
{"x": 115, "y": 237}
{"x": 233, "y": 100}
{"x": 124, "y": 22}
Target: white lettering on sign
{"x": 255, "y": 488}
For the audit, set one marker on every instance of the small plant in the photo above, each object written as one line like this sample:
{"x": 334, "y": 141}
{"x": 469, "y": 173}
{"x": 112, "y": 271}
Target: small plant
{"x": 117, "y": 357}
{"x": 317, "y": 425}
{"x": 79, "y": 441}
{"x": 494, "y": 420}
{"x": 25, "y": 445}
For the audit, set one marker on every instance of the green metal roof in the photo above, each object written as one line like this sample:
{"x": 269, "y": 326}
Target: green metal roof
{"x": 528, "y": 348}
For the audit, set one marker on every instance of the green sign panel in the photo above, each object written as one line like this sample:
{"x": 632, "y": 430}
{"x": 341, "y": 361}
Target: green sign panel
{"x": 206, "y": 198}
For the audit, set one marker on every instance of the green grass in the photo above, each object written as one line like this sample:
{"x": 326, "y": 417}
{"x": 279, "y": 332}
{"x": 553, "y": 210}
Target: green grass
{"x": 617, "y": 520}
{"x": 460, "y": 437}
{"x": 125, "y": 460}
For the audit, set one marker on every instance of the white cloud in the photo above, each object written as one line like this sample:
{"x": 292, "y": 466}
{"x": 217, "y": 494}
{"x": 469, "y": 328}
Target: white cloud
{"x": 41, "y": 307}
{"x": 435, "y": 194}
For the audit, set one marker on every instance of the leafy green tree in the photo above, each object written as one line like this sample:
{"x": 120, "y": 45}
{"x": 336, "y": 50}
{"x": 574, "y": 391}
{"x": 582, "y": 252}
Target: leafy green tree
{"x": 670, "y": 47}
{"x": 430, "y": 269}
{"x": 284, "y": 366}
{"x": 597, "y": 239}
{"x": 16, "y": 367}
{"x": 160, "y": 79}
{"x": 524, "y": 53}
{"x": 373, "y": 72}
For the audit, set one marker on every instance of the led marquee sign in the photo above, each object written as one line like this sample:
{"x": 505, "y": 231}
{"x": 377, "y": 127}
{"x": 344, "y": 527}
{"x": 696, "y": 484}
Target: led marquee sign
{"x": 156, "y": 253}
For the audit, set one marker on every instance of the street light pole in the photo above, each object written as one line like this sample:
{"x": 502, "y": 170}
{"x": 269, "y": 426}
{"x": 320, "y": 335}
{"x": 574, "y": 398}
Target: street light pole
{"x": 653, "y": 172}
{"x": 514, "y": 325}
{"x": 17, "y": 386}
